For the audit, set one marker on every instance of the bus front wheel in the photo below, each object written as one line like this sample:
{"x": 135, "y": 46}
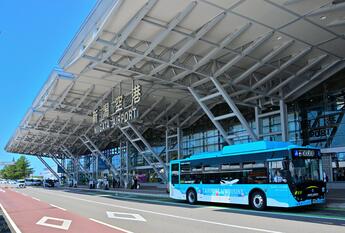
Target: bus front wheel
{"x": 191, "y": 196}
{"x": 258, "y": 200}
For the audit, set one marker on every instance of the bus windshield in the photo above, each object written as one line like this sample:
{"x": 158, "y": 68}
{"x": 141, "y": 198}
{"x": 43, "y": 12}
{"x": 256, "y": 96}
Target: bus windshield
{"x": 303, "y": 170}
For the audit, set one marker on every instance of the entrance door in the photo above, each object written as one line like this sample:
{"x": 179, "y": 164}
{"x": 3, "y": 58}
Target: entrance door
{"x": 333, "y": 161}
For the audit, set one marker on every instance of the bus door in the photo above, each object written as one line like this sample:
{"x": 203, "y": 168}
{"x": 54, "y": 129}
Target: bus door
{"x": 175, "y": 174}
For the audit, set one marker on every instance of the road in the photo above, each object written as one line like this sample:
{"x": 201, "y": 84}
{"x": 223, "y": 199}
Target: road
{"x": 147, "y": 215}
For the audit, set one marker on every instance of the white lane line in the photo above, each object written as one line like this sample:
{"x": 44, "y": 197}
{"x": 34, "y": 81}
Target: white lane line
{"x": 36, "y": 198}
{"x": 111, "y": 226}
{"x": 171, "y": 215}
{"x": 14, "y": 226}
{"x": 228, "y": 208}
{"x": 215, "y": 207}
{"x": 57, "y": 207}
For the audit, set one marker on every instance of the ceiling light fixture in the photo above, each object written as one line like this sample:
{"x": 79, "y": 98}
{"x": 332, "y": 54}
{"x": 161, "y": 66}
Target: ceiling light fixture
{"x": 279, "y": 38}
{"x": 323, "y": 17}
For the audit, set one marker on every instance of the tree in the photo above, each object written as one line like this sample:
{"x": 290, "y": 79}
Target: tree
{"x": 19, "y": 170}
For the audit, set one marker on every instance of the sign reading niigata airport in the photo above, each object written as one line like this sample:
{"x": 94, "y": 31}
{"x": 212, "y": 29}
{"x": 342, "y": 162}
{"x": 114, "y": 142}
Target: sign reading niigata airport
{"x": 120, "y": 110}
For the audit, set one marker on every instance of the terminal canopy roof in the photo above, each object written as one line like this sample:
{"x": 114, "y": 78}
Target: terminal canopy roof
{"x": 260, "y": 51}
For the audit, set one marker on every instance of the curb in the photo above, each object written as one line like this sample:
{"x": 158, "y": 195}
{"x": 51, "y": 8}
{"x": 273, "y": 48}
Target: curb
{"x": 116, "y": 192}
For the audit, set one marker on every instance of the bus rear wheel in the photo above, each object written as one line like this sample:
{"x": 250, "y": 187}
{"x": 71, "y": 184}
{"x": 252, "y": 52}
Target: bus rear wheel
{"x": 258, "y": 200}
{"x": 191, "y": 197}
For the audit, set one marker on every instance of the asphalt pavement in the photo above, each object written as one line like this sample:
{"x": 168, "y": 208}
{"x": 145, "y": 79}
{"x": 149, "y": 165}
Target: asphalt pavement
{"x": 144, "y": 214}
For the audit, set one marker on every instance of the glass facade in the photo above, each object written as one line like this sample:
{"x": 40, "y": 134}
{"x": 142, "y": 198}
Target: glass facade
{"x": 323, "y": 121}
{"x": 338, "y": 166}
{"x": 211, "y": 140}
{"x": 316, "y": 118}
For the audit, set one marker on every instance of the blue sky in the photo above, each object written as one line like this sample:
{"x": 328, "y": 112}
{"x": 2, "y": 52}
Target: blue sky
{"x": 33, "y": 36}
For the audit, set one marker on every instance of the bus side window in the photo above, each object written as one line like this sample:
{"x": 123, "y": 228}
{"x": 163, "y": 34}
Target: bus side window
{"x": 174, "y": 173}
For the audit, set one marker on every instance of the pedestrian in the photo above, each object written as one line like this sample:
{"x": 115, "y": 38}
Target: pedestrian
{"x": 114, "y": 183}
{"x": 135, "y": 182}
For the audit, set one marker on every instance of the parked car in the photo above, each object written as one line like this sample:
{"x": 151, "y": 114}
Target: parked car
{"x": 49, "y": 183}
{"x": 20, "y": 184}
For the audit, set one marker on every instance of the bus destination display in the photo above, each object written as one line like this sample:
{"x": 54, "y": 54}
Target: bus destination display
{"x": 304, "y": 153}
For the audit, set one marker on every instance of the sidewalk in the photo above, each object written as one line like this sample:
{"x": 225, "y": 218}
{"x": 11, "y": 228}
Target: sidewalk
{"x": 336, "y": 198}
{"x": 158, "y": 193}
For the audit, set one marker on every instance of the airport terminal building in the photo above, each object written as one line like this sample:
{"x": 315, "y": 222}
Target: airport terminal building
{"x": 147, "y": 81}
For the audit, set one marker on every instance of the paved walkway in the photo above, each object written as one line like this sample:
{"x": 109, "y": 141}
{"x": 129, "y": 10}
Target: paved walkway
{"x": 140, "y": 192}
{"x": 31, "y": 215}
{"x": 336, "y": 198}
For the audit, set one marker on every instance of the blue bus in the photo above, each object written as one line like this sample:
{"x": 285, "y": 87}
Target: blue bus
{"x": 258, "y": 174}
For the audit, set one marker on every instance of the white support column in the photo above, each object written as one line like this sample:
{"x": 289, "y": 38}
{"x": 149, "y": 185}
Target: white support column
{"x": 121, "y": 160}
{"x": 167, "y": 146}
{"x": 283, "y": 120}
{"x": 172, "y": 143}
{"x": 127, "y": 165}
{"x": 76, "y": 169}
{"x": 179, "y": 136}
{"x": 258, "y": 123}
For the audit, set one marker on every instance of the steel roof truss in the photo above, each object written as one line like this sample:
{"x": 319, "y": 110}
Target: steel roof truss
{"x": 244, "y": 53}
{"x": 166, "y": 110}
{"x": 298, "y": 74}
{"x": 327, "y": 9}
{"x": 259, "y": 64}
{"x": 190, "y": 116}
{"x": 57, "y": 137}
{"x": 176, "y": 116}
{"x": 142, "y": 116}
{"x": 189, "y": 43}
{"x": 125, "y": 32}
{"x": 317, "y": 75}
{"x": 210, "y": 55}
{"x": 89, "y": 90}
{"x": 163, "y": 34}
{"x": 283, "y": 66}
